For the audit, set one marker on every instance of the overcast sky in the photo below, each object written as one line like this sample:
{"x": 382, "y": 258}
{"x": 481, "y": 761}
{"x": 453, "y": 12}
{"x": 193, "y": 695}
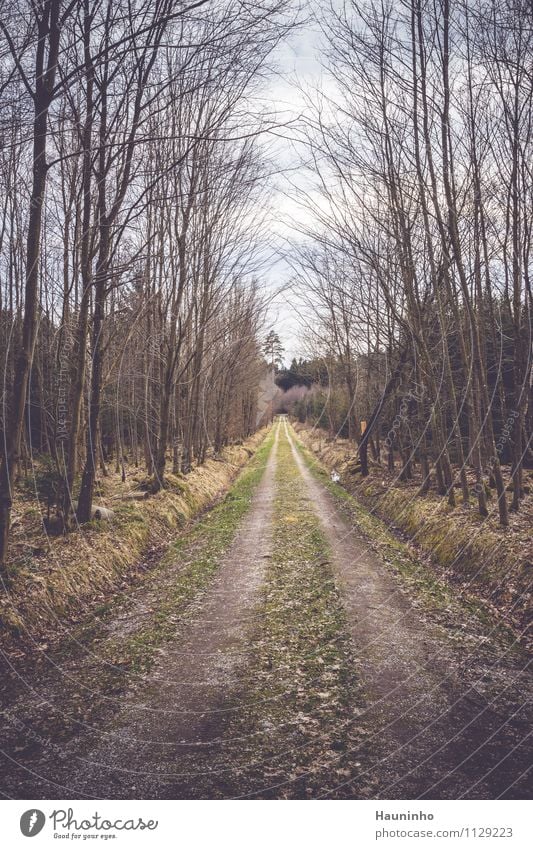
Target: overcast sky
{"x": 298, "y": 63}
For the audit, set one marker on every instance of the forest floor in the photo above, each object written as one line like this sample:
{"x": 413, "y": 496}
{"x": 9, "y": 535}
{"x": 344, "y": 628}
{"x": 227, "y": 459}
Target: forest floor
{"x": 285, "y": 646}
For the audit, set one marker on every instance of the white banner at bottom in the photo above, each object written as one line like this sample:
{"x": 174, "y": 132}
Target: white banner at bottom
{"x": 258, "y": 824}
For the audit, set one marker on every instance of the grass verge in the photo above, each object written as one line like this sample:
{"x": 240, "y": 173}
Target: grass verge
{"x": 486, "y": 565}
{"x": 423, "y": 584}
{"x": 57, "y": 581}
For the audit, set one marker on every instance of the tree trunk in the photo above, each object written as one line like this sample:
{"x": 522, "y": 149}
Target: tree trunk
{"x": 48, "y": 32}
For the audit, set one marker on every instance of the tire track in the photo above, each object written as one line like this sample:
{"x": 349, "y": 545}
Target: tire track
{"x": 435, "y": 736}
{"x": 170, "y": 724}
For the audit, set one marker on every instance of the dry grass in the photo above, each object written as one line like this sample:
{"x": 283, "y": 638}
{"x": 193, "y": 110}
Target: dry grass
{"x": 55, "y": 580}
{"x": 476, "y": 555}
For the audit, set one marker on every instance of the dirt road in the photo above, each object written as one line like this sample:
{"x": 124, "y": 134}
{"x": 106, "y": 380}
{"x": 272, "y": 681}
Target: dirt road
{"x": 275, "y": 654}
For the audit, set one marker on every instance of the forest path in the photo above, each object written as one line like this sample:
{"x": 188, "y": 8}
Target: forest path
{"x": 287, "y": 660}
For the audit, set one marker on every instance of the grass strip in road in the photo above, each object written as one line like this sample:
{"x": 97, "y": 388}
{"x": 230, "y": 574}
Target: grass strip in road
{"x": 299, "y": 711}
